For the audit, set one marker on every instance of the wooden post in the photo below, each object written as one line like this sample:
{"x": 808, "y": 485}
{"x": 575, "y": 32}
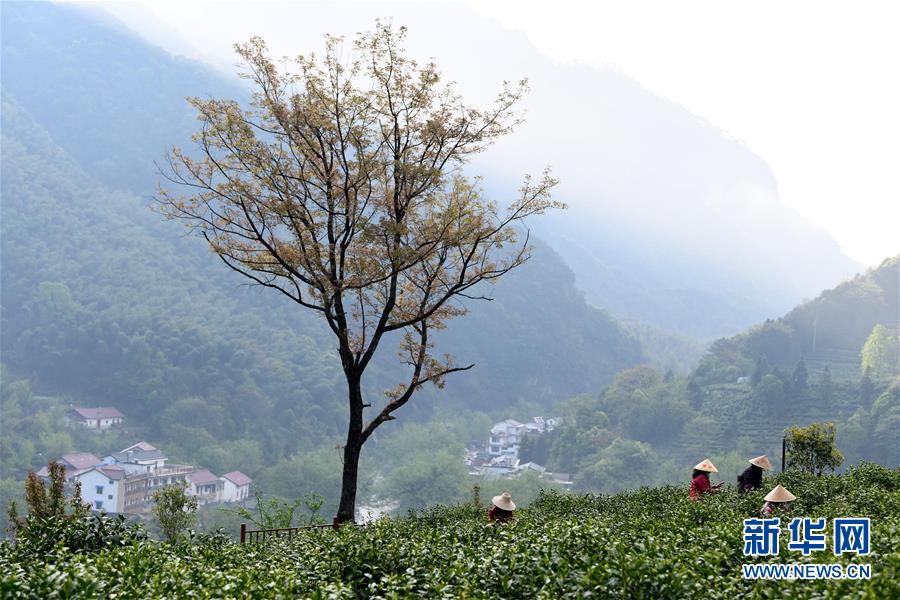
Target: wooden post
{"x": 783, "y": 449}
{"x": 243, "y": 532}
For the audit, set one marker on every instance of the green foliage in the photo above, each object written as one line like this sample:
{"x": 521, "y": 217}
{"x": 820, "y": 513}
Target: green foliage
{"x": 54, "y": 522}
{"x": 881, "y": 353}
{"x": 46, "y": 503}
{"x": 651, "y": 543}
{"x": 424, "y": 480}
{"x": 624, "y": 387}
{"x": 79, "y": 532}
{"x": 524, "y": 488}
{"x": 316, "y": 471}
{"x": 278, "y": 513}
{"x": 800, "y": 377}
{"x": 885, "y": 418}
{"x": 423, "y": 465}
{"x": 624, "y": 464}
{"x": 667, "y": 350}
{"x": 812, "y": 448}
{"x": 174, "y": 510}
{"x": 828, "y": 331}
{"x": 770, "y": 392}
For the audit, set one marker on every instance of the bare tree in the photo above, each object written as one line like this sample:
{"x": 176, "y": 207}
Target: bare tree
{"x": 341, "y": 188}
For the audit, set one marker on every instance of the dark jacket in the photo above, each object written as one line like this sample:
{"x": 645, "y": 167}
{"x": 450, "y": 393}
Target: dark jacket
{"x": 750, "y": 479}
{"x": 498, "y": 514}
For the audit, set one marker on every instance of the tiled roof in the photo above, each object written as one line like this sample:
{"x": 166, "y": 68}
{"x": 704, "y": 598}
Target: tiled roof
{"x": 202, "y": 477}
{"x": 137, "y": 455}
{"x": 81, "y": 460}
{"x": 114, "y": 473}
{"x": 237, "y": 478}
{"x": 101, "y": 412}
{"x": 140, "y": 446}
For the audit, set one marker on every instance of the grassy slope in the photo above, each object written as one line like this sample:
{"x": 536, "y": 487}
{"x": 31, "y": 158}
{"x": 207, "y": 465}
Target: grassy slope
{"x": 649, "y": 543}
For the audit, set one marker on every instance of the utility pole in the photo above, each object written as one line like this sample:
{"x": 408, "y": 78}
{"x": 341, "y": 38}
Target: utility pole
{"x": 783, "y": 452}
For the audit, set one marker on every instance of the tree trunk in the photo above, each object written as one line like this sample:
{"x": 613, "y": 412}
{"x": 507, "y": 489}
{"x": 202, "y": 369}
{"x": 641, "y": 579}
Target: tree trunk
{"x": 347, "y": 507}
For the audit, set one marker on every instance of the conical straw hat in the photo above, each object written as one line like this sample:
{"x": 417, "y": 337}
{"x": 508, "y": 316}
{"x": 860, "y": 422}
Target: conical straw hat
{"x": 779, "y": 494}
{"x": 762, "y": 462}
{"x": 504, "y": 501}
{"x": 706, "y": 465}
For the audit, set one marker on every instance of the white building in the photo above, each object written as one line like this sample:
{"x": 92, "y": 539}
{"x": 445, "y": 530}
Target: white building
{"x": 125, "y": 481}
{"x": 139, "y": 458}
{"x": 206, "y": 486}
{"x": 530, "y": 467}
{"x": 505, "y": 438}
{"x": 235, "y": 487}
{"x": 102, "y": 488}
{"x": 99, "y": 418}
{"x": 499, "y": 466}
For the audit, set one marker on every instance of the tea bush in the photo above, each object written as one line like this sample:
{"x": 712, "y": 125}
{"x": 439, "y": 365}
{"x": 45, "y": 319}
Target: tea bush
{"x": 77, "y": 533}
{"x": 649, "y": 543}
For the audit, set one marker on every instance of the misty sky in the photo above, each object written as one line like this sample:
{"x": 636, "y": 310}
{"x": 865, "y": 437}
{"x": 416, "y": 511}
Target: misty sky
{"x": 811, "y": 87}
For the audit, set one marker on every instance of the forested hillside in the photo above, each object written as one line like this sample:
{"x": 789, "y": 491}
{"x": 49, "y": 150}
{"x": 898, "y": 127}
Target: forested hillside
{"x": 104, "y": 303}
{"x": 828, "y": 331}
{"x": 747, "y": 390}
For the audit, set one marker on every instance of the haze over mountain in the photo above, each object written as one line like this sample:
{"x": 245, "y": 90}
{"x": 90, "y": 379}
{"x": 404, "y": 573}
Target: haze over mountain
{"x": 671, "y": 220}
{"x": 105, "y": 302}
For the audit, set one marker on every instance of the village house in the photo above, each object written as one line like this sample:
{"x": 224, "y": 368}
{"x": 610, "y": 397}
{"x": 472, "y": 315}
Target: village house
{"x": 138, "y": 458}
{"x": 500, "y": 457}
{"x": 542, "y": 472}
{"x": 499, "y": 466}
{"x": 235, "y": 487}
{"x": 506, "y": 436}
{"x": 113, "y": 489}
{"x": 101, "y": 488}
{"x": 74, "y": 464}
{"x": 206, "y": 486}
{"x": 100, "y": 418}
{"x": 124, "y": 481}
{"x": 531, "y": 467}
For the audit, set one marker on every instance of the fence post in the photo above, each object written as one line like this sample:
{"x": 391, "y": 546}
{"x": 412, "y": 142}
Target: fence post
{"x": 243, "y": 532}
{"x": 783, "y": 448}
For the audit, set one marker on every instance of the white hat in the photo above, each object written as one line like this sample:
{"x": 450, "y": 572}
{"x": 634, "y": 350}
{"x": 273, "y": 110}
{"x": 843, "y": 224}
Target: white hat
{"x": 779, "y": 494}
{"x": 504, "y": 501}
{"x": 762, "y": 462}
{"x": 706, "y": 465}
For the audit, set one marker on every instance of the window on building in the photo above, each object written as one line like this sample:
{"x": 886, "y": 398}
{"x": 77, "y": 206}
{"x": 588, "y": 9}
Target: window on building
{"x": 99, "y": 489}
{"x": 109, "y": 497}
{"x": 98, "y": 504}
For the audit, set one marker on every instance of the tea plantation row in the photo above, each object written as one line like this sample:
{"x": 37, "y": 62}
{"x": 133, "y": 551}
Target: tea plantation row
{"x": 651, "y": 543}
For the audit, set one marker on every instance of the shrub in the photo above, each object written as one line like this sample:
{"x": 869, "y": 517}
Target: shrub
{"x": 78, "y": 533}
{"x": 174, "y": 509}
{"x": 812, "y": 448}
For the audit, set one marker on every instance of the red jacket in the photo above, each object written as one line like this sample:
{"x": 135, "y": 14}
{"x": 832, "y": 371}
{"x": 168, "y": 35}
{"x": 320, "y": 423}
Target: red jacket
{"x": 699, "y": 486}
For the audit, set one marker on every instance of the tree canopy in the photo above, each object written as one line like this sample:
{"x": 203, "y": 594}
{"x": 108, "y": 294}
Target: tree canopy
{"x": 340, "y": 187}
